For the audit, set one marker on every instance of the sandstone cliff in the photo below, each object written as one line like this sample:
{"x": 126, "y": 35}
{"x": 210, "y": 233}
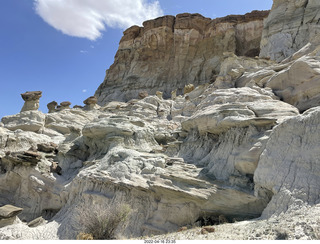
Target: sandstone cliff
{"x": 169, "y": 52}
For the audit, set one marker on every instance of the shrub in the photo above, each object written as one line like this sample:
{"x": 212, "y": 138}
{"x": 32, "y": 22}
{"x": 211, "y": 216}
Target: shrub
{"x": 102, "y": 221}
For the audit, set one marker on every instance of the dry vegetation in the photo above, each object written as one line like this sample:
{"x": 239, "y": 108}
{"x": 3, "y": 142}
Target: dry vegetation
{"x": 102, "y": 221}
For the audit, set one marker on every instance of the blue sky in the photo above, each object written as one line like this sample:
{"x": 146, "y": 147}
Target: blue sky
{"x": 63, "y": 50}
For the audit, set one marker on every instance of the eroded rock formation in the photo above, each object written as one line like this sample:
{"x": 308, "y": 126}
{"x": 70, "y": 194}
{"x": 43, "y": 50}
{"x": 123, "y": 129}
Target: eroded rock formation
{"x": 236, "y": 148}
{"x": 90, "y": 103}
{"x": 163, "y": 169}
{"x": 170, "y": 52}
{"x": 8, "y": 214}
{"x": 31, "y": 100}
{"x": 65, "y": 105}
{"x": 52, "y": 106}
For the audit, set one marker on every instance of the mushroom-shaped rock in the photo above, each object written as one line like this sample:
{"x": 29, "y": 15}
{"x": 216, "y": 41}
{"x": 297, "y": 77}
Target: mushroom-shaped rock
{"x": 52, "y": 106}
{"x": 31, "y": 100}
{"x": 8, "y": 214}
{"x": 90, "y": 102}
{"x": 65, "y": 105}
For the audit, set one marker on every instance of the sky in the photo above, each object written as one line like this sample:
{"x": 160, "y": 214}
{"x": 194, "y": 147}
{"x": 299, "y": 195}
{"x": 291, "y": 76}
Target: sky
{"x": 64, "y": 47}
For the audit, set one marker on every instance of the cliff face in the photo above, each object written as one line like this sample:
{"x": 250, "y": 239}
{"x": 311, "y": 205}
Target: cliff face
{"x": 289, "y": 27}
{"x": 169, "y": 52}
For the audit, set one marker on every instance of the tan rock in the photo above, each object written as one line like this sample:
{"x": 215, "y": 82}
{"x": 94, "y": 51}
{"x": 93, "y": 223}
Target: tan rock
{"x": 143, "y": 94}
{"x": 9, "y": 211}
{"x": 174, "y": 94}
{"x": 188, "y": 88}
{"x": 159, "y": 94}
{"x": 209, "y": 229}
{"x": 52, "y": 106}
{"x": 90, "y": 103}
{"x": 171, "y": 52}
{"x": 184, "y": 228}
{"x": 36, "y": 222}
{"x": 31, "y": 100}
{"x": 204, "y": 231}
{"x": 65, "y": 105}
{"x": 84, "y": 236}
{"x": 26, "y": 158}
{"x": 8, "y": 215}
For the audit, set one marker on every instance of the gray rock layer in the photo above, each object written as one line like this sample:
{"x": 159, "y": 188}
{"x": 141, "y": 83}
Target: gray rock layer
{"x": 289, "y": 27}
{"x": 293, "y": 145}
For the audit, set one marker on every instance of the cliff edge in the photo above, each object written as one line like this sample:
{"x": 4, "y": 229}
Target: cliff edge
{"x": 170, "y": 52}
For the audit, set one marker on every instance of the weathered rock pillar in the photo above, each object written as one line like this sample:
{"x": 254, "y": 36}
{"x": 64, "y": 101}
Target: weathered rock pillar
{"x": 31, "y": 100}
{"x": 90, "y": 103}
{"x": 52, "y": 106}
{"x": 65, "y": 105}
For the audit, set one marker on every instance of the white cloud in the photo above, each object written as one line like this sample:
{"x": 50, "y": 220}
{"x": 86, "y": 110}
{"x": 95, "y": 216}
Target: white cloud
{"x": 84, "y": 90}
{"x": 83, "y": 51}
{"x": 88, "y": 18}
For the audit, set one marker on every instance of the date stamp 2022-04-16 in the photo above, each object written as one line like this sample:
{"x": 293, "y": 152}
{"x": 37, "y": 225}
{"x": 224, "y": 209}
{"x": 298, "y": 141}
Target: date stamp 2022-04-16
{"x": 150, "y": 241}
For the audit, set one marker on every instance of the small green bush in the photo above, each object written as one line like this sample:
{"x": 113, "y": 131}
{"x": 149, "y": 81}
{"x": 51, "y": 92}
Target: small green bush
{"x": 102, "y": 221}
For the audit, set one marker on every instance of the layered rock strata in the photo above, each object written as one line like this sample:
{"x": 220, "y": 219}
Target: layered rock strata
{"x": 170, "y": 52}
{"x": 296, "y": 81}
{"x": 237, "y": 148}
